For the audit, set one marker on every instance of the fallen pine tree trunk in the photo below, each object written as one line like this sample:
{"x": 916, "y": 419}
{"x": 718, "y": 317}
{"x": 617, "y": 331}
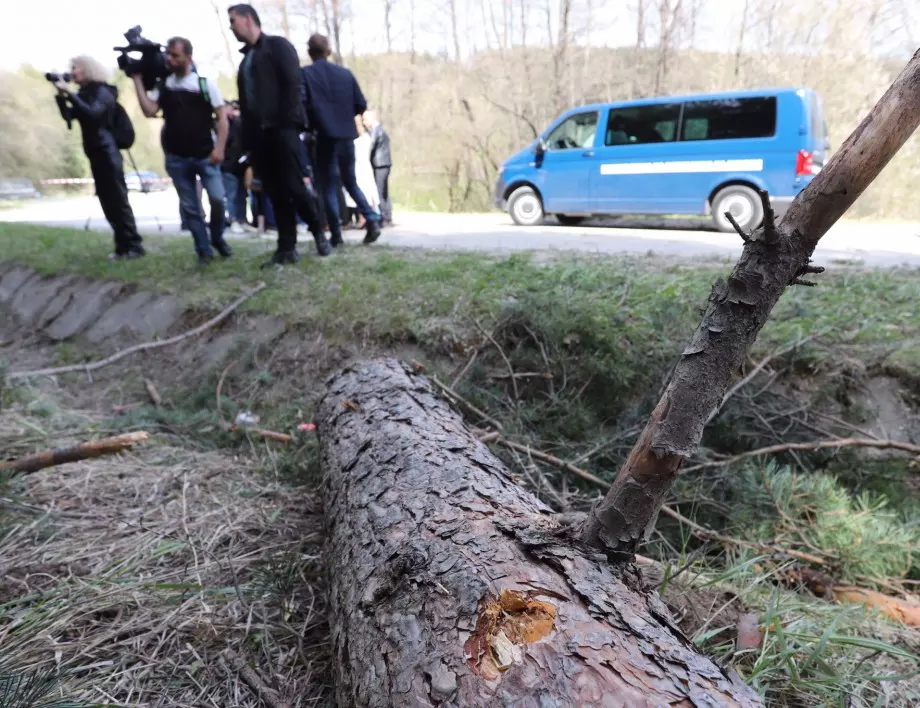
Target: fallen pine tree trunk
{"x": 451, "y": 585}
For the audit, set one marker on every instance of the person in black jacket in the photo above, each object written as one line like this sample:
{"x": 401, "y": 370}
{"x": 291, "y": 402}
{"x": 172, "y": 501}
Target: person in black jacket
{"x": 333, "y": 99}
{"x": 272, "y": 119}
{"x": 381, "y": 162}
{"x": 232, "y": 172}
{"x": 92, "y": 107}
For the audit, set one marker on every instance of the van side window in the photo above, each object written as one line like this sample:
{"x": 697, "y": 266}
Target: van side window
{"x": 729, "y": 118}
{"x": 576, "y": 131}
{"x": 642, "y": 124}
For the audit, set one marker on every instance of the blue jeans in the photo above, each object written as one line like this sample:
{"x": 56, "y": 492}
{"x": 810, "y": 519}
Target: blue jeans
{"x": 183, "y": 171}
{"x": 235, "y": 194}
{"x": 336, "y": 157}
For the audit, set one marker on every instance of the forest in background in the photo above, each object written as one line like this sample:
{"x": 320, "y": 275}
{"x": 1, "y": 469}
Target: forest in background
{"x": 455, "y": 114}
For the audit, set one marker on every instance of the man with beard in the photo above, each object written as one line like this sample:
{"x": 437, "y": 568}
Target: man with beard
{"x": 272, "y": 118}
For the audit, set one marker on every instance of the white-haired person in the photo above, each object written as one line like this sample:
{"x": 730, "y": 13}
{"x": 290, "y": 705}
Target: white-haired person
{"x": 381, "y": 161}
{"x": 93, "y": 107}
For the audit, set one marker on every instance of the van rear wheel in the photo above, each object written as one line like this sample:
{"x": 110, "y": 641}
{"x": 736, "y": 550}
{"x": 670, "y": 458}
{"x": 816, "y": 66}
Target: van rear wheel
{"x": 743, "y": 204}
{"x": 525, "y": 207}
{"x": 567, "y": 220}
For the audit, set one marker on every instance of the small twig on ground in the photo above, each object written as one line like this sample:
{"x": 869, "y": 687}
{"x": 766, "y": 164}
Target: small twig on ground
{"x": 501, "y": 352}
{"x": 261, "y": 432}
{"x": 553, "y": 460}
{"x": 220, "y": 387}
{"x": 808, "y": 446}
{"x": 472, "y": 360}
{"x": 527, "y": 375}
{"x": 125, "y": 407}
{"x": 760, "y": 366}
{"x": 83, "y": 451}
{"x": 145, "y": 346}
{"x": 153, "y": 393}
{"x": 465, "y": 403}
{"x": 707, "y": 534}
{"x": 252, "y": 679}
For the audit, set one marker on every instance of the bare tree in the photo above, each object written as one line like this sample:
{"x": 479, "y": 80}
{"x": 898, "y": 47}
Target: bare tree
{"x": 388, "y": 23}
{"x": 455, "y": 30}
{"x": 669, "y": 16}
{"x": 739, "y": 51}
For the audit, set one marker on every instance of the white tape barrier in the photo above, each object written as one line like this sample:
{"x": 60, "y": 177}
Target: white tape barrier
{"x": 90, "y": 180}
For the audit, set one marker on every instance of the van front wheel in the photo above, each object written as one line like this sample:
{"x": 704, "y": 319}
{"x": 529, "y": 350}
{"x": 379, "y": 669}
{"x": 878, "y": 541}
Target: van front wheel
{"x": 743, "y": 204}
{"x": 525, "y": 207}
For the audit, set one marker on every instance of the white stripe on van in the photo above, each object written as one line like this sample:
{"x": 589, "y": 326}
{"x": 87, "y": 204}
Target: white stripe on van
{"x": 684, "y": 167}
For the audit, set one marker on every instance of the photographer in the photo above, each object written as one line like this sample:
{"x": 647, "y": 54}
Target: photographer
{"x": 93, "y": 107}
{"x": 189, "y": 103}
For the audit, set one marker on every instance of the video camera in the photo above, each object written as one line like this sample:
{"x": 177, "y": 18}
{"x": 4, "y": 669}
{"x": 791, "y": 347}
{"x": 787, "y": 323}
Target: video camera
{"x": 54, "y": 78}
{"x": 152, "y": 63}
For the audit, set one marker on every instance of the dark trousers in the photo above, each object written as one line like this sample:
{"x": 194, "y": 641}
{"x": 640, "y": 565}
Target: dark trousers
{"x": 278, "y": 161}
{"x": 382, "y": 178}
{"x": 335, "y": 158}
{"x": 109, "y": 175}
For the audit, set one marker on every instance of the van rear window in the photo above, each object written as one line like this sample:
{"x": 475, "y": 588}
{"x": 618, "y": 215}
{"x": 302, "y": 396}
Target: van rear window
{"x": 725, "y": 119}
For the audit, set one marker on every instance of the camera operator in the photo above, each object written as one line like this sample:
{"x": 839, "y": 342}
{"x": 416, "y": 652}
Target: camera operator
{"x": 189, "y": 103}
{"x": 93, "y": 107}
{"x": 273, "y": 118}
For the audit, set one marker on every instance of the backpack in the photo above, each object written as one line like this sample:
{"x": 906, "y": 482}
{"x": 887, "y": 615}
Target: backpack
{"x": 122, "y": 128}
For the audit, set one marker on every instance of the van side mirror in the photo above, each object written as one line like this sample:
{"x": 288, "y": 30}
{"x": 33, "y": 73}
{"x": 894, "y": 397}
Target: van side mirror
{"x": 540, "y": 148}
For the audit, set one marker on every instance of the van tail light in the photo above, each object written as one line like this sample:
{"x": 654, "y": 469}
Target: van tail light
{"x": 804, "y": 164}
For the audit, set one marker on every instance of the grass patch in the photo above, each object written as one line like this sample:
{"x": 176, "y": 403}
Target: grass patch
{"x": 149, "y": 578}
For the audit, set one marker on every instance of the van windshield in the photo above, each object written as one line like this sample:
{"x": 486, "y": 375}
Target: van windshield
{"x": 576, "y": 131}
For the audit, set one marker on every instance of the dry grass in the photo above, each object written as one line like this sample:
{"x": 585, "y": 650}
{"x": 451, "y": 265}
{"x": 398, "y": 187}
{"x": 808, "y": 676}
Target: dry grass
{"x": 157, "y": 577}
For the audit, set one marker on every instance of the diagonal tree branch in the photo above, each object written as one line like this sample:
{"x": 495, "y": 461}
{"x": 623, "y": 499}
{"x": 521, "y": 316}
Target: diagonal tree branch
{"x": 773, "y": 258}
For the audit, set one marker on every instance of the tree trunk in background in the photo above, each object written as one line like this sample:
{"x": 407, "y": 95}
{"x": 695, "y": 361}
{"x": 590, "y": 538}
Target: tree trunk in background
{"x": 773, "y": 258}
{"x": 449, "y": 584}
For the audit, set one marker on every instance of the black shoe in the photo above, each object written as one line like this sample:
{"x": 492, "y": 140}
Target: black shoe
{"x": 337, "y": 241}
{"x": 205, "y": 258}
{"x": 137, "y": 252}
{"x": 373, "y": 232}
{"x": 223, "y": 248}
{"x": 280, "y": 258}
{"x": 322, "y": 246}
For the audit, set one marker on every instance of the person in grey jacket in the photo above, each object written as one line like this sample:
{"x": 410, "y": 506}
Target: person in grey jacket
{"x": 381, "y": 162}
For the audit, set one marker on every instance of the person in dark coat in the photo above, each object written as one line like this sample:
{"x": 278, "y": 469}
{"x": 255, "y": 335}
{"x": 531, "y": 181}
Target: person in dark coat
{"x": 272, "y": 117}
{"x": 381, "y": 162}
{"x": 333, "y": 99}
{"x": 93, "y": 107}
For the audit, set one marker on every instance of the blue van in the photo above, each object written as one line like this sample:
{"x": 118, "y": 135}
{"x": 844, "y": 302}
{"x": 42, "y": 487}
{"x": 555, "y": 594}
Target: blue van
{"x": 700, "y": 154}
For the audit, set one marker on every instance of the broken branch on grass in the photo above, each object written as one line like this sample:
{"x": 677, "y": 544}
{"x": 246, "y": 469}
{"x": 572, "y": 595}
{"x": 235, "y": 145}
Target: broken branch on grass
{"x": 465, "y": 403}
{"x": 152, "y": 392}
{"x": 220, "y": 387}
{"x": 75, "y": 453}
{"x": 145, "y": 346}
{"x": 252, "y": 679}
{"x": 809, "y": 446}
{"x": 261, "y": 432}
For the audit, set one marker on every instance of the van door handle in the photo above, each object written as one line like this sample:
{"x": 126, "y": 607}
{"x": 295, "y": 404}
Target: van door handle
{"x": 588, "y": 153}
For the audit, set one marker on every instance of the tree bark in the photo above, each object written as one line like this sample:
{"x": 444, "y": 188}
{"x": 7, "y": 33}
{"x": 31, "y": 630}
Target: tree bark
{"x": 451, "y": 585}
{"x": 774, "y": 257}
